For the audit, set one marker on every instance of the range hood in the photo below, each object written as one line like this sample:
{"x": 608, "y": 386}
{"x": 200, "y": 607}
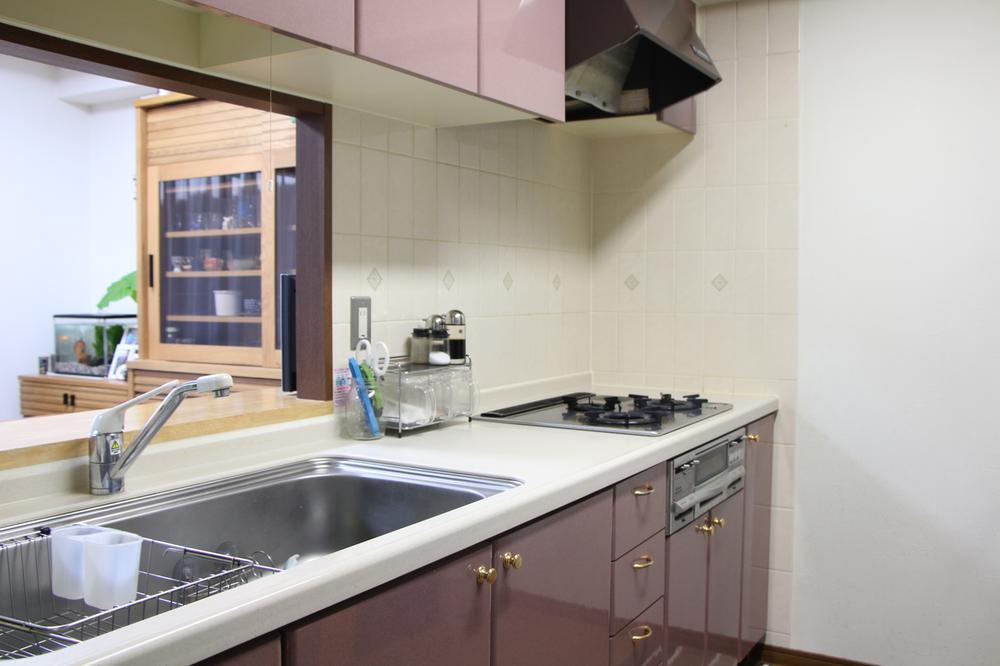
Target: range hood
{"x": 632, "y": 57}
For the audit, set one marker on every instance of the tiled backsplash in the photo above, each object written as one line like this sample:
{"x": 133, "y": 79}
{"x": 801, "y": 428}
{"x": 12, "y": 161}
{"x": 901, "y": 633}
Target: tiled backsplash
{"x": 493, "y": 220}
{"x": 695, "y": 246}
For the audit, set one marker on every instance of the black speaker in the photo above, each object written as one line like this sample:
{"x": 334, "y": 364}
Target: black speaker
{"x": 286, "y": 304}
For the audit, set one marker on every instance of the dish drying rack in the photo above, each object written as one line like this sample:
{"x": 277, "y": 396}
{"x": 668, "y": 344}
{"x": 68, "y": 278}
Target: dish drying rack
{"x": 33, "y": 621}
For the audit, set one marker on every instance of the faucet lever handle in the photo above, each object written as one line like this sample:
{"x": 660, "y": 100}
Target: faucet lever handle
{"x": 113, "y": 420}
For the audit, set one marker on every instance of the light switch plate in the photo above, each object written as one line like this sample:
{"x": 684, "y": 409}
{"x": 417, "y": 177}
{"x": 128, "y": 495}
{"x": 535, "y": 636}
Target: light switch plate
{"x": 361, "y": 319}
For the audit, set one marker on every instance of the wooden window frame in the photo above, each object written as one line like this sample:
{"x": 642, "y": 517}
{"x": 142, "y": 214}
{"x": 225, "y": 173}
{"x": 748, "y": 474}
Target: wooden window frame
{"x": 313, "y": 154}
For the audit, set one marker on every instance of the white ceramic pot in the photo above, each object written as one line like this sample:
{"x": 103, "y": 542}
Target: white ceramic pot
{"x": 227, "y": 302}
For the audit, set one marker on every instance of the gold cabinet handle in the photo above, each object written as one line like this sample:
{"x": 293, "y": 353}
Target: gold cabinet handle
{"x": 753, "y": 438}
{"x": 485, "y": 574}
{"x": 643, "y": 562}
{"x": 719, "y": 522}
{"x": 512, "y": 560}
{"x": 644, "y": 631}
{"x": 705, "y": 529}
{"x": 643, "y": 490}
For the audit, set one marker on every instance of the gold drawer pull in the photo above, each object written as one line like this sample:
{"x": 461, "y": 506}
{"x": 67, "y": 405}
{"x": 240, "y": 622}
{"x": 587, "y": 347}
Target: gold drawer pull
{"x": 485, "y": 575}
{"x": 753, "y": 438}
{"x": 512, "y": 560}
{"x": 643, "y": 490}
{"x": 643, "y": 562}
{"x": 645, "y": 631}
{"x": 705, "y": 529}
{"x": 719, "y": 522}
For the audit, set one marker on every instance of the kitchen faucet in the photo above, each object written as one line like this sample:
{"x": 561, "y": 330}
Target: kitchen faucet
{"x": 108, "y": 463}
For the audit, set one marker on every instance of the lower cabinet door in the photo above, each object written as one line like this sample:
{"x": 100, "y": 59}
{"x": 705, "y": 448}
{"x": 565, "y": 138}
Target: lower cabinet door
{"x": 687, "y": 587}
{"x": 756, "y": 532}
{"x": 725, "y": 563}
{"x": 552, "y": 600}
{"x": 264, "y": 651}
{"x": 439, "y": 616}
{"x": 640, "y": 643}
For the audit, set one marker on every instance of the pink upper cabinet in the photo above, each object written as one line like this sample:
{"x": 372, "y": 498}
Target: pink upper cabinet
{"x": 327, "y": 22}
{"x": 522, "y": 54}
{"x": 437, "y": 40}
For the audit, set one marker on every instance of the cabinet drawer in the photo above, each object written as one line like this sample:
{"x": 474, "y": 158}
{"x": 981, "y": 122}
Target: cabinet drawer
{"x": 637, "y": 580}
{"x": 640, "y": 643}
{"x": 640, "y": 508}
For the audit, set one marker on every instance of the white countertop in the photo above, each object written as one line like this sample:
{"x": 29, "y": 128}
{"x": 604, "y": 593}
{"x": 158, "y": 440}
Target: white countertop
{"x": 556, "y": 467}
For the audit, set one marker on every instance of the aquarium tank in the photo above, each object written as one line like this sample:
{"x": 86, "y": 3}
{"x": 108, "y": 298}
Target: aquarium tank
{"x": 85, "y": 344}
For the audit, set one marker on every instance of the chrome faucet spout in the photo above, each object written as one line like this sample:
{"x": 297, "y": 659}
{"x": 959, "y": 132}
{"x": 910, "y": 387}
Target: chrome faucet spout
{"x": 108, "y": 461}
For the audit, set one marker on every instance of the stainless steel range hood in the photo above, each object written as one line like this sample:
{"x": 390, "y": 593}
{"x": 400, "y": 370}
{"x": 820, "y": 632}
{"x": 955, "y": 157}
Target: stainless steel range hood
{"x": 631, "y": 57}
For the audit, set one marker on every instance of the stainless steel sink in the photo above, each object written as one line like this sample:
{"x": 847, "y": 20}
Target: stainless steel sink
{"x": 308, "y": 509}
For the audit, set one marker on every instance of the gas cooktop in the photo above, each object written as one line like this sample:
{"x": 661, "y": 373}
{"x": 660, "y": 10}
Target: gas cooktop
{"x": 634, "y": 414}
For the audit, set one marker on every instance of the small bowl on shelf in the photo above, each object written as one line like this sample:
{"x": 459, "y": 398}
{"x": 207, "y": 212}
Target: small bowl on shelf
{"x": 246, "y": 264}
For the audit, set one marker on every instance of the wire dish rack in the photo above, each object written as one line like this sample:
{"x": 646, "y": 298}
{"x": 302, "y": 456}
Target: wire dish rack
{"x": 33, "y": 621}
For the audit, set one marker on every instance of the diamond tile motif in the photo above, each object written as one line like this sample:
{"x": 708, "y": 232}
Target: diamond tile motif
{"x": 508, "y": 281}
{"x": 556, "y": 282}
{"x": 448, "y": 280}
{"x": 719, "y": 282}
{"x": 631, "y": 282}
{"x": 375, "y": 279}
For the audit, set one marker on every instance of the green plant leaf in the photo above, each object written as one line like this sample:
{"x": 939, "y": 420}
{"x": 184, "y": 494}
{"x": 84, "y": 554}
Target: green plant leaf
{"x": 123, "y": 287}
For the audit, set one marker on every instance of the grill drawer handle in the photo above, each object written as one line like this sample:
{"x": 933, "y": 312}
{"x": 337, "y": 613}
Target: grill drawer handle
{"x": 643, "y": 490}
{"x": 643, "y": 562}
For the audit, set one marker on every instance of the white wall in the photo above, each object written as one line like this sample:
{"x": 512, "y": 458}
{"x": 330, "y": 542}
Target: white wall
{"x": 897, "y": 546}
{"x": 67, "y": 212}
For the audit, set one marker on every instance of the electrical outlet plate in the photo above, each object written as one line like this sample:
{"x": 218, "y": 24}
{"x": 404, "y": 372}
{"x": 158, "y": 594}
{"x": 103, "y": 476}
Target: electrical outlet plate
{"x": 361, "y": 319}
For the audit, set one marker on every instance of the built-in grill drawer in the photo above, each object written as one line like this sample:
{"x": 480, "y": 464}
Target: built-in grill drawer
{"x": 637, "y": 580}
{"x": 640, "y": 508}
{"x": 640, "y": 643}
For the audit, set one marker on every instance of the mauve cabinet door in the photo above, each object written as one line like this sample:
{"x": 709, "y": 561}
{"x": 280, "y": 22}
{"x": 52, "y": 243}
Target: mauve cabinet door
{"x": 687, "y": 587}
{"x": 640, "y": 508}
{"x": 438, "y": 616}
{"x": 264, "y": 651}
{"x": 438, "y": 40}
{"x": 725, "y": 560}
{"x": 327, "y": 22}
{"x": 555, "y": 609}
{"x": 756, "y": 532}
{"x": 522, "y": 55}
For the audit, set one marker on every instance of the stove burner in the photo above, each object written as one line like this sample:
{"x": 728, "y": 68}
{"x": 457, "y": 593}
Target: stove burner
{"x": 626, "y": 419}
{"x": 574, "y": 404}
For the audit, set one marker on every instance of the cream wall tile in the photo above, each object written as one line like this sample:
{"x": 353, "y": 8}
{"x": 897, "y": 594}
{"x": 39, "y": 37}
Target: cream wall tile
{"x": 688, "y": 276}
{"x": 720, "y": 344}
{"x": 685, "y": 384}
{"x": 751, "y": 28}
{"x": 660, "y": 344}
{"x": 468, "y": 147}
{"x": 525, "y": 213}
{"x": 425, "y": 143}
{"x": 489, "y": 208}
{"x": 631, "y": 292}
{"x": 557, "y": 264}
{"x": 749, "y": 282}
{"x": 346, "y": 125}
{"x": 424, "y": 277}
{"x": 374, "y": 192}
{"x": 750, "y": 216}
{"x": 448, "y": 222}
{"x": 631, "y": 343}
{"x": 750, "y": 153}
{"x": 532, "y": 272}
{"x": 341, "y": 342}
{"x": 374, "y": 269}
{"x": 783, "y": 151}
{"x": 604, "y": 342}
{"x": 782, "y": 346}
{"x": 783, "y": 85}
{"x": 784, "y": 426}
{"x": 783, "y": 217}
{"x": 689, "y": 348}
{"x": 346, "y": 274}
{"x": 400, "y": 138}
{"x": 489, "y": 138}
{"x": 689, "y": 219}
{"x": 525, "y": 150}
{"x": 778, "y": 639}
{"x": 782, "y": 282}
{"x": 541, "y": 211}
{"x": 374, "y": 132}
{"x": 448, "y": 151}
{"x": 400, "y": 286}
{"x": 752, "y": 347}
{"x": 779, "y": 601}
{"x": 346, "y": 188}
{"x": 783, "y": 479}
{"x": 749, "y": 387}
{"x": 690, "y": 163}
{"x": 659, "y": 215}
{"x": 604, "y": 267}
{"x": 400, "y": 196}
{"x": 507, "y": 149}
{"x": 781, "y": 539}
{"x": 425, "y": 196}
{"x": 717, "y": 282}
{"x": 659, "y": 282}
{"x": 783, "y": 26}
{"x": 719, "y": 155}
{"x": 720, "y": 30}
{"x": 507, "y": 206}
{"x": 718, "y": 385}
{"x": 468, "y": 205}
{"x": 491, "y": 344}
{"x": 720, "y": 98}
{"x": 719, "y": 218}
{"x": 751, "y": 88}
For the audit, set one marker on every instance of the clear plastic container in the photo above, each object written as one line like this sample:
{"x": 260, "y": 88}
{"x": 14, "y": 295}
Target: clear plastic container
{"x": 68, "y": 559}
{"x": 111, "y": 568}
{"x": 357, "y": 422}
{"x": 422, "y": 395}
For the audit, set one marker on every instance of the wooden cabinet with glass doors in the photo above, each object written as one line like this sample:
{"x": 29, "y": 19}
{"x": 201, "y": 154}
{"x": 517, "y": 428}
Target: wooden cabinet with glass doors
{"x": 219, "y": 228}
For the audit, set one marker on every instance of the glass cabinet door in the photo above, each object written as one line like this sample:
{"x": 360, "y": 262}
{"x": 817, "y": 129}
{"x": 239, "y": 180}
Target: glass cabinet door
{"x": 210, "y": 265}
{"x": 284, "y": 236}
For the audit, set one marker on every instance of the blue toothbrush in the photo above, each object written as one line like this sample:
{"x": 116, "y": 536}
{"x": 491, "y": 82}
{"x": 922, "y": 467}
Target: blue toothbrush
{"x": 366, "y": 403}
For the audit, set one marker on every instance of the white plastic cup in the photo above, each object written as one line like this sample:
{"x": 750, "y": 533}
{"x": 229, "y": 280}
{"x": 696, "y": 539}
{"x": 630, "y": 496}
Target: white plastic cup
{"x": 111, "y": 569}
{"x": 68, "y": 559}
{"x": 227, "y": 302}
